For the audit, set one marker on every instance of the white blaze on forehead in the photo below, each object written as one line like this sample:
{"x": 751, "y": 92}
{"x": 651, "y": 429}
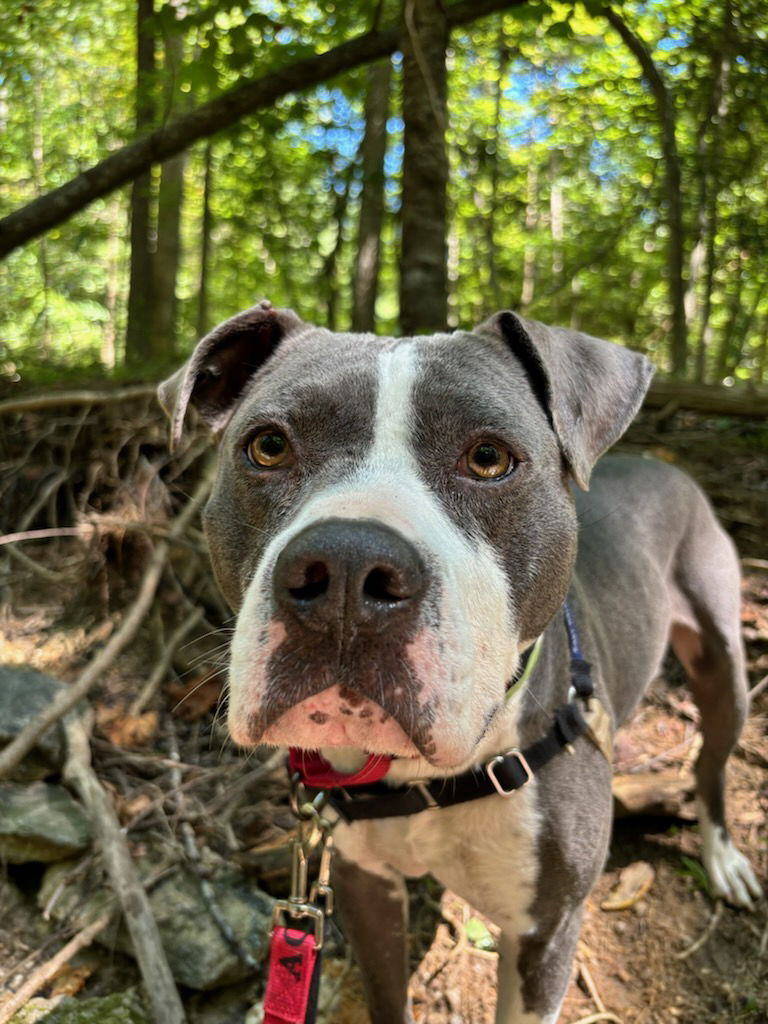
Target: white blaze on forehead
{"x": 393, "y": 427}
{"x": 473, "y": 651}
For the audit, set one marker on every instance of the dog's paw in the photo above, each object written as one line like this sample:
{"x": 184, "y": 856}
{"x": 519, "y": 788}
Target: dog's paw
{"x": 730, "y": 873}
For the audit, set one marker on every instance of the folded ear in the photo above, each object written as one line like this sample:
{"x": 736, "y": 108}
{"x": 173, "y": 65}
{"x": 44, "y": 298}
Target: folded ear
{"x": 590, "y": 389}
{"x": 216, "y": 374}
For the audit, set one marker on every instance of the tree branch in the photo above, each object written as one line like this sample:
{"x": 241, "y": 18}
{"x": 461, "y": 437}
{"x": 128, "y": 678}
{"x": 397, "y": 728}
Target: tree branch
{"x": 130, "y": 161}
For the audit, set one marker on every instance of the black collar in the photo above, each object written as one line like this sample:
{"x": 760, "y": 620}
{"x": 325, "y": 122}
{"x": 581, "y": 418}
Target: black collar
{"x": 503, "y": 774}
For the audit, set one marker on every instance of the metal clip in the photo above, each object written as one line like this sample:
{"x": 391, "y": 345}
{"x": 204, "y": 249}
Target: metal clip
{"x": 300, "y": 910}
{"x": 321, "y": 889}
{"x": 312, "y": 830}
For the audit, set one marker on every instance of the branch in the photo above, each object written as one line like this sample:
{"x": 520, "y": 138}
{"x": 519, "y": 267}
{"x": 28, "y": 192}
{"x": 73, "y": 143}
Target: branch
{"x": 31, "y": 403}
{"x": 130, "y": 161}
{"x": 68, "y": 696}
{"x": 145, "y": 936}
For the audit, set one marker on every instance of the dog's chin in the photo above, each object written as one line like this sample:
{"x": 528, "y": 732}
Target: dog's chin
{"x": 326, "y": 721}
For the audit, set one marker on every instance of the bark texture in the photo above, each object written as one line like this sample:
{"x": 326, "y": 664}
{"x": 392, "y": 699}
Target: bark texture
{"x": 423, "y": 215}
{"x": 365, "y": 282}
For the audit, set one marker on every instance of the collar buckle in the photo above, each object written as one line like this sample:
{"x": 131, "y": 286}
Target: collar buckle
{"x": 500, "y": 759}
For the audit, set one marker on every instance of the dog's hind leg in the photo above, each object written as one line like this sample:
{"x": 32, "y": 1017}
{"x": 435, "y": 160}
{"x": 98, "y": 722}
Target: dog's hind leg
{"x": 706, "y": 637}
{"x": 374, "y": 915}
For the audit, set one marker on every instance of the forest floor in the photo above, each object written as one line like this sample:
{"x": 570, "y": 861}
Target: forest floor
{"x": 672, "y": 956}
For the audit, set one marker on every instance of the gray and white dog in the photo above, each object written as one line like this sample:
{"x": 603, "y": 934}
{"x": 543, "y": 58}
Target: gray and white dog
{"x": 394, "y": 521}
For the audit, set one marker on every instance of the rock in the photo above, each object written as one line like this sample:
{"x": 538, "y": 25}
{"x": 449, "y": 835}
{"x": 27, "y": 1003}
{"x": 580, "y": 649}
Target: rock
{"x": 118, "y": 1008}
{"x": 198, "y": 954}
{"x": 40, "y": 822}
{"x": 24, "y": 692}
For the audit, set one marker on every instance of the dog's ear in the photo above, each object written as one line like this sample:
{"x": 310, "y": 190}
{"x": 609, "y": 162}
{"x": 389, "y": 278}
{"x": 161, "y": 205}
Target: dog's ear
{"x": 590, "y": 389}
{"x": 216, "y": 374}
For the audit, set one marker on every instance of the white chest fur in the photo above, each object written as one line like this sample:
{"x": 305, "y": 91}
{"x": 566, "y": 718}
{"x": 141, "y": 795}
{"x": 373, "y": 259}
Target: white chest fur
{"x": 483, "y": 850}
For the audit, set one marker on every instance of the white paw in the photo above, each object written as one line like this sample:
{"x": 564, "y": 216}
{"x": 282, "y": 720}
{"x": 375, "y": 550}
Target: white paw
{"x": 730, "y": 873}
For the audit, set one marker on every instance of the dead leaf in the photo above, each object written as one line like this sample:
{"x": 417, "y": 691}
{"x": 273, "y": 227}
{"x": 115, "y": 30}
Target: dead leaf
{"x": 70, "y": 980}
{"x": 126, "y": 730}
{"x": 634, "y": 882}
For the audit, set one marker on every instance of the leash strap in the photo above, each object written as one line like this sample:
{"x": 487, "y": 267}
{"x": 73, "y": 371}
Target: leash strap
{"x": 294, "y": 976}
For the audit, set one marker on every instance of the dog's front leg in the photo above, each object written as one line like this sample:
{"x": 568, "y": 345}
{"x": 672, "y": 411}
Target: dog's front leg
{"x": 534, "y": 971}
{"x": 373, "y": 907}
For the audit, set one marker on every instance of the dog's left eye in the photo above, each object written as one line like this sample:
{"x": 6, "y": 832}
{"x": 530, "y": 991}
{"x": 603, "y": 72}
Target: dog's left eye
{"x": 268, "y": 449}
{"x": 488, "y": 460}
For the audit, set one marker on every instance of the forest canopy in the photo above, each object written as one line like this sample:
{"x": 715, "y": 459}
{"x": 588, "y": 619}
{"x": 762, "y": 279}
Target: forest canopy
{"x": 605, "y": 168}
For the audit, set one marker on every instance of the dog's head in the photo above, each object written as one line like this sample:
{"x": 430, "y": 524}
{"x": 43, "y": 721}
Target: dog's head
{"x": 392, "y": 517}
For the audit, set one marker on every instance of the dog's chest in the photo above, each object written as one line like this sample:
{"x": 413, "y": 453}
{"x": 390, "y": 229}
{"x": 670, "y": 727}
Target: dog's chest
{"x": 484, "y": 850}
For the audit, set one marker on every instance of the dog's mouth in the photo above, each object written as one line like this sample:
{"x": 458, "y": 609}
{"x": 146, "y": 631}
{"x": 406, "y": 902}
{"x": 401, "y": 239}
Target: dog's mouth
{"x": 335, "y": 717}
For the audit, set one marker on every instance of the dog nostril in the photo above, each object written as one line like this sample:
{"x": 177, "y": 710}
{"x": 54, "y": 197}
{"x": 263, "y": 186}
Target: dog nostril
{"x": 316, "y": 582}
{"x": 382, "y": 585}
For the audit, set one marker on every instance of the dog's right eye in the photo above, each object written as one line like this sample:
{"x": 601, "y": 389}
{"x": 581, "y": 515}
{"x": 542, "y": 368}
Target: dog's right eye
{"x": 268, "y": 449}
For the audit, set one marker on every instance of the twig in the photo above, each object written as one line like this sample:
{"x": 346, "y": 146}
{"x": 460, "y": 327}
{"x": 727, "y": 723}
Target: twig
{"x": 91, "y": 529}
{"x": 705, "y": 935}
{"x": 593, "y": 1018}
{"x": 225, "y": 803}
{"x": 32, "y": 402}
{"x": 589, "y": 981}
{"x": 174, "y": 642}
{"x": 43, "y": 974}
{"x": 755, "y": 563}
{"x": 758, "y": 688}
{"x": 69, "y": 696}
{"x": 145, "y": 937}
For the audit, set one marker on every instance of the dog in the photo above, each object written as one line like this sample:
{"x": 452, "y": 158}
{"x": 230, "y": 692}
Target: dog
{"x": 398, "y": 523}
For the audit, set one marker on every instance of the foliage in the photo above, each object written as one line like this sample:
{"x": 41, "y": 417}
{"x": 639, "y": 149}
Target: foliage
{"x": 556, "y": 194}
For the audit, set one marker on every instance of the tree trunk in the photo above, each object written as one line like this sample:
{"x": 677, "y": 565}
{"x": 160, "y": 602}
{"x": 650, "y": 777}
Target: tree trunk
{"x": 423, "y": 215}
{"x": 702, "y": 262}
{"x": 206, "y": 228}
{"x": 38, "y": 177}
{"x": 331, "y": 260}
{"x": 556, "y": 232}
{"x": 138, "y": 333}
{"x": 531, "y": 221}
{"x": 502, "y": 59}
{"x": 365, "y": 281}
{"x": 167, "y": 254}
{"x": 665, "y": 108}
{"x": 109, "y": 335}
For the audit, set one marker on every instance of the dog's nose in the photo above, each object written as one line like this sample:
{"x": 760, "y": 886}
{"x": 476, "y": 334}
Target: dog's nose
{"x": 351, "y": 573}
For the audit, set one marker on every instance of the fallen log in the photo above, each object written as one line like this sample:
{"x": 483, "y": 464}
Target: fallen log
{"x": 709, "y": 399}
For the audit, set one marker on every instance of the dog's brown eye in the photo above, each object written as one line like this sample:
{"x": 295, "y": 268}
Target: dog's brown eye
{"x": 488, "y": 460}
{"x": 268, "y": 449}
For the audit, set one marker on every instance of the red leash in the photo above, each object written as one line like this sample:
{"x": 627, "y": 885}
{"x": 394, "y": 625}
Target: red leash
{"x": 294, "y": 976}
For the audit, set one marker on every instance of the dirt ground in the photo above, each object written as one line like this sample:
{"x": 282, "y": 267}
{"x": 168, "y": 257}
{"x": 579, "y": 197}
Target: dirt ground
{"x": 672, "y": 956}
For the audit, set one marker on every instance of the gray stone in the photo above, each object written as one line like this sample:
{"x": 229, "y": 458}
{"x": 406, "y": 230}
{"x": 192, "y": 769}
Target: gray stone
{"x": 24, "y": 692}
{"x": 198, "y": 954}
{"x": 40, "y": 822}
